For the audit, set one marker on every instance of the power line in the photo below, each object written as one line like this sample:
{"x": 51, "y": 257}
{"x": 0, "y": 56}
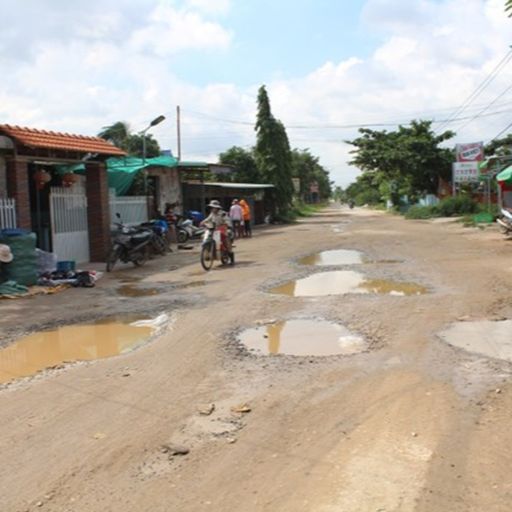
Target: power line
{"x": 476, "y": 116}
{"x": 480, "y": 88}
{"x": 371, "y": 125}
{"x": 502, "y": 132}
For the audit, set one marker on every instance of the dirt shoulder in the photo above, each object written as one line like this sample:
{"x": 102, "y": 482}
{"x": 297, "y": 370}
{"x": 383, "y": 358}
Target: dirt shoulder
{"x": 410, "y": 424}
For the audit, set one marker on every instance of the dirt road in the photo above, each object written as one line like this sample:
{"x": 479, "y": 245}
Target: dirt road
{"x": 410, "y": 424}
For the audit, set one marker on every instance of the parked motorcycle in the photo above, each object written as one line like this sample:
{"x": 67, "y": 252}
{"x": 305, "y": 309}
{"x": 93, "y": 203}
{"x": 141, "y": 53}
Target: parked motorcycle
{"x": 129, "y": 245}
{"x": 505, "y": 221}
{"x": 159, "y": 242}
{"x": 212, "y": 246}
{"x": 187, "y": 230}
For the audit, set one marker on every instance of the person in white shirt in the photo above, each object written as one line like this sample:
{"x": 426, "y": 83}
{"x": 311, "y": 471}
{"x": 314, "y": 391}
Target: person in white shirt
{"x": 236, "y": 215}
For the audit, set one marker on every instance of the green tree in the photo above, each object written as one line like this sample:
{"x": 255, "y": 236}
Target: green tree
{"x": 121, "y": 136}
{"x": 244, "y": 162}
{"x": 499, "y": 147}
{"x": 273, "y": 154}
{"x": 408, "y": 160}
{"x": 508, "y": 7}
{"x": 307, "y": 168}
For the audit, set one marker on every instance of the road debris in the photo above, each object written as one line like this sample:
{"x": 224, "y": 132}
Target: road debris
{"x": 242, "y": 408}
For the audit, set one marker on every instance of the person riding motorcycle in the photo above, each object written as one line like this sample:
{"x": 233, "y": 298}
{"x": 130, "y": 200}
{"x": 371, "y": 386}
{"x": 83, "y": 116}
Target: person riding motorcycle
{"x": 220, "y": 221}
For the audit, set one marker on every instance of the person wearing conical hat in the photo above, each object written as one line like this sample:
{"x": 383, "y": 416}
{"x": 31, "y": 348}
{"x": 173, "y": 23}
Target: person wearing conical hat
{"x": 219, "y": 219}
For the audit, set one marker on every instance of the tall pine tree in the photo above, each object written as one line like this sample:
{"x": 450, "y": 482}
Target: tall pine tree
{"x": 273, "y": 153}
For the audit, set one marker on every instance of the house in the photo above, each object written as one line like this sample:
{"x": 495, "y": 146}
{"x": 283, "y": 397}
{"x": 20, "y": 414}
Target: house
{"x": 69, "y": 214}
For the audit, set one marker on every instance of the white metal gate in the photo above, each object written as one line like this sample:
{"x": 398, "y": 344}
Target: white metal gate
{"x": 68, "y": 213}
{"x": 7, "y": 213}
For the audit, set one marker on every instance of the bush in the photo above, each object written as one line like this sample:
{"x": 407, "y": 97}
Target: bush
{"x": 460, "y": 205}
{"x": 420, "y": 212}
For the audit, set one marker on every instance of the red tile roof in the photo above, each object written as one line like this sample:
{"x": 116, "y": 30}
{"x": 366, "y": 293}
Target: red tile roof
{"x": 64, "y": 141}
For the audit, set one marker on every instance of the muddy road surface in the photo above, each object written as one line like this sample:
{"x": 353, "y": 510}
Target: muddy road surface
{"x": 388, "y": 403}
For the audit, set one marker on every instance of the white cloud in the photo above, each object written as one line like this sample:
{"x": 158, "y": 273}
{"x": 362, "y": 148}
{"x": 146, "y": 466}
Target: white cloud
{"x": 171, "y": 30}
{"x": 433, "y": 54}
{"x": 210, "y": 6}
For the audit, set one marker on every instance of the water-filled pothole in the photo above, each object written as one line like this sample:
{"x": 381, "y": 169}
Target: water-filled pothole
{"x": 341, "y": 282}
{"x": 487, "y": 338}
{"x": 129, "y": 290}
{"x": 83, "y": 342}
{"x": 192, "y": 284}
{"x": 334, "y": 257}
{"x": 302, "y": 337}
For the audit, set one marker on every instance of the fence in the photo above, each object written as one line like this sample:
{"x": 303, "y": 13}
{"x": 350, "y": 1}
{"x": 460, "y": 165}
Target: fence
{"x": 7, "y": 213}
{"x": 68, "y": 213}
{"x": 132, "y": 209}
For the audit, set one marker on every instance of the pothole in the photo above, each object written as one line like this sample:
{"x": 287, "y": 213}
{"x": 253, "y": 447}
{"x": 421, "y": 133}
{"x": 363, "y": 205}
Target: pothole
{"x": 341, "y": 282}
{"x": 192, "y": 284}
{"x": 131, "y": 291}
{"x": 302, "y": 337}
{"x": 334, "y": 257}
{"x": 71, "y": 343}
{"x": 486, "y": 337}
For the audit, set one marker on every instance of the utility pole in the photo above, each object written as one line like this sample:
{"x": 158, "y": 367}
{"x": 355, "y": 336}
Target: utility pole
{"x": 178, "y": 131}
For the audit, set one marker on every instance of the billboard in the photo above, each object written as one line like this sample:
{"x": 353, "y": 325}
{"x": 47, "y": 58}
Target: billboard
{"x": 465, "y": 172}
{"x": 472, "y": 152}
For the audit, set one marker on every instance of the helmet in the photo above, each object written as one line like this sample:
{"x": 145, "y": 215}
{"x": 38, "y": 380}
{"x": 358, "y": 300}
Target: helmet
{"x": 215, "y": 204}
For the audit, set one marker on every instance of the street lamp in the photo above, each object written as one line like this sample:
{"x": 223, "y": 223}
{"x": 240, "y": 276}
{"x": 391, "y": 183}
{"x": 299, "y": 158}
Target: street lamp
{"x": 155, "y": 121}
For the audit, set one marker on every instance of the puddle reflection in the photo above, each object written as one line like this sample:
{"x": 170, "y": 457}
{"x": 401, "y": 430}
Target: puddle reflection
{"x": 302, "y": 337}
{"x": 341, "y": 282}
{"x": 334, "y": 257}
{"x": 85, "y": 342}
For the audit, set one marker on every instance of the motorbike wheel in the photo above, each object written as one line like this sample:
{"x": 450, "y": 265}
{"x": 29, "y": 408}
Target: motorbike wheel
{"x": 141, "y": 257}
{"x": 225, "y": 259}
{"x": 182, "y": 236}
{"x": 207, "y": 256}
{"x": 158, "y": 246}
{"x": 113, "y": 256}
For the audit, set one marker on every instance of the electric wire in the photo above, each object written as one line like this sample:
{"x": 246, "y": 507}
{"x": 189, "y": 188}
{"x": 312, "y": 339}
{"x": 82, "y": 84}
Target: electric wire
{"x": 479, "y": 89}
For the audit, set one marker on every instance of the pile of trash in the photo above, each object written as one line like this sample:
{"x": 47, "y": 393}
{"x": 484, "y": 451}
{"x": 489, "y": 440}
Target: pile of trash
{"x": 26, "y": 270}
{"x": 80, "y": 278}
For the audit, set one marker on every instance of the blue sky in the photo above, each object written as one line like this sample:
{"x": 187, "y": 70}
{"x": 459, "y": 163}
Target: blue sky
{"x": 328, "y": 65}
{"x": 282, "y": 39}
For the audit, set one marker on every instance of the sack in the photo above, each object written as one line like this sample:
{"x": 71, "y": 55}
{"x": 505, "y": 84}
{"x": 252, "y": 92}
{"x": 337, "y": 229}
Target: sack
{"x": 23, "y": 267}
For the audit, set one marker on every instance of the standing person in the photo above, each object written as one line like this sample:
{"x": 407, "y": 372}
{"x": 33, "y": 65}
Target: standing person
{"x": 171, "y": 219}
{"x": 236, "y": 214}
{"x": 247, "y": 217}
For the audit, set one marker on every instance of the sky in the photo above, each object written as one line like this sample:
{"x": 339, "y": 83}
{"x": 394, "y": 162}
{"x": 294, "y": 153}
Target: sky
{"x": 329, "y": 67}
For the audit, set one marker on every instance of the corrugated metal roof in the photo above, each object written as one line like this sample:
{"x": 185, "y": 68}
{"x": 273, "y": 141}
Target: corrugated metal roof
{"x": 233, "y": 185}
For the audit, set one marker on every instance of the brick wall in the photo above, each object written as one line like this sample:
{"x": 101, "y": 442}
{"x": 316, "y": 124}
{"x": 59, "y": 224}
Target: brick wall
{"x": 98, "y": 212}
{"x": 18, "y": 189}
{"x": 3, "y": 178}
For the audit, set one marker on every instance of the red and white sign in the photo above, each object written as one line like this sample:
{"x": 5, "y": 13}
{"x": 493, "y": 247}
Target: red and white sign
{"x": 473, "y": 152}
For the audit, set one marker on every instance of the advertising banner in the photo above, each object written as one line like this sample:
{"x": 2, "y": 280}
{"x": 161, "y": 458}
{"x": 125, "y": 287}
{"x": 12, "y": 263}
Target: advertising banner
{"x": 472, "y": 152}
{"x": 465, "y": 172}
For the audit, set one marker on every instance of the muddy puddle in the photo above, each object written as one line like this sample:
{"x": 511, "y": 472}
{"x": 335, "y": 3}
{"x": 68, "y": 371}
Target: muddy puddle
{"x": 84, "y": 342}
{"x": 302, "y": 337}
{"x": 334, "y": 257}
{"x": 129, "y": 290}
{"x": 192, "y": 284}
{"x": 487, "y": 338}
{"x": 341, "y": 282}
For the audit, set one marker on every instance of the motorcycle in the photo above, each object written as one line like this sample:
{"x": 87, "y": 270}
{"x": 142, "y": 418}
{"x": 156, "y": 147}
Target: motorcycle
{"x": 351, "y": 204}
{"x": 505, "y": 221}
{"x": 129, "y": 245}
{"x": 159, "y": 242}
{"x": 187, "y": 230}
{"x": 212, "y": 245}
